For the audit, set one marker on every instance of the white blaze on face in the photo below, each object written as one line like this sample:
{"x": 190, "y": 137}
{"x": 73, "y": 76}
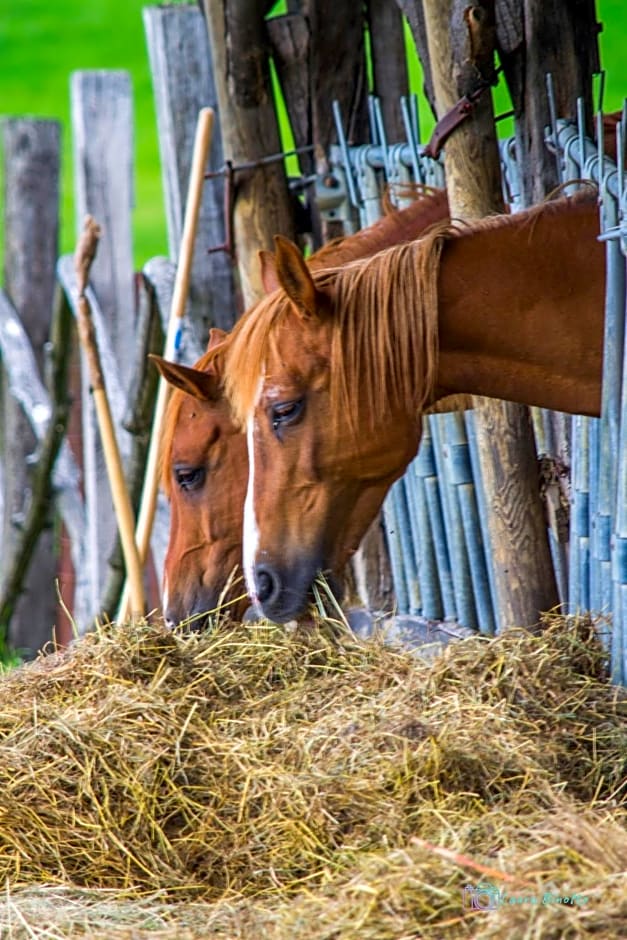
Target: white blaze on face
{"x": 164, "y": 600}
{"x": 251, "y": 530}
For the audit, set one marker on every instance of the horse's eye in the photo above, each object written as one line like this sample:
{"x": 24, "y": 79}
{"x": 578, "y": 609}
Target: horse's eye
{"x": 284, "y": 413}
{"x": 189, "y": 478}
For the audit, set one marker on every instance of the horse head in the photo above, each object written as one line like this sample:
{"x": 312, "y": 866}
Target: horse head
{"x": 206, "y": 464}
{"x": 204, "y": 474}
{"x": 321, "y": 457}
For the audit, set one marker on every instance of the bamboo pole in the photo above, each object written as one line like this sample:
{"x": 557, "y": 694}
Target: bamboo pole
{"x": 145, "y": 518}
{"x": 85, "y": 253}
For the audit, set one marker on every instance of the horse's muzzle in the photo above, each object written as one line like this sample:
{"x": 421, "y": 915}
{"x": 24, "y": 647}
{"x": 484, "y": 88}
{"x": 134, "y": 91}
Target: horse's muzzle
{"x": 275, "y": 599}
{"x": 284, "y": 594}
{"x": 197, "y": 611}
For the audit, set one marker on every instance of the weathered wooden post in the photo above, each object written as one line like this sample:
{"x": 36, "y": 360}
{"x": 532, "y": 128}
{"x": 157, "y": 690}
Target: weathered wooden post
{"x": 318, "y": 51}
{"x": 260, "y": 204}
{"x": 461, "y": 41}
{"x": 536, "y": 38}
{"x": 389, "y": 63}
{"x": 102, "y": 123}
{"x": 31, "y": 183}
{"x": 183, "y": 82}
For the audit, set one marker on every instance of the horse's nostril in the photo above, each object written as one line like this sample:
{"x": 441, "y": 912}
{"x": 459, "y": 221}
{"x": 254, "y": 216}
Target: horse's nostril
{"x": 265, "y": 585}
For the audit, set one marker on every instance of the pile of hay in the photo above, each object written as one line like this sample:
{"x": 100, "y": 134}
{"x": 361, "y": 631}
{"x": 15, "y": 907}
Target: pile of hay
{"x": 253, "y": 782}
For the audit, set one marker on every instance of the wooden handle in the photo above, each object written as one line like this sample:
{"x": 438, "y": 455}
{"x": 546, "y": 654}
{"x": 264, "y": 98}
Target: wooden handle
{"x": 145, "y": 518}
{"x": 85, "y": 253}
{"x": 121, "y": 503}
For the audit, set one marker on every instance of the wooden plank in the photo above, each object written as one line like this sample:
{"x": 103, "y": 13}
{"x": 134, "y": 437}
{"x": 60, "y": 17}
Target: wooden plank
{"x": 27, "y": 389}
{"x": 88, "y": 593}
{"x": 461, "y": 45}
{"x": 67, "y": 279}
{"x": 289, "y": 35}
{"x": 160, "y": 273}
{"x": 413, "y": 10}
{"x": 389, "y": 64}
{"x": 31, "y": 176}
{"x": 55, "y": 477}
{"x": 534, "y": 38}
{"x": 338, "y": 71}
{"x": 102, "y": 127}
{"x": 183, "y": 82}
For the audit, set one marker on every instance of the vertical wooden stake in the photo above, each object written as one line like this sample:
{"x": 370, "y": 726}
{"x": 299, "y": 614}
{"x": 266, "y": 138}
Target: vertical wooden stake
{"x": 261, "y": 208}
{"x": 30, "y": 151}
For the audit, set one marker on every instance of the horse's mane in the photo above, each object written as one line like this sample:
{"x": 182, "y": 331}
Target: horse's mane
{"x": 384, "y": 324}
{"x": 384, "y": 329}
{"x": 170, "y": 421}
{"x": 428, "y": 207}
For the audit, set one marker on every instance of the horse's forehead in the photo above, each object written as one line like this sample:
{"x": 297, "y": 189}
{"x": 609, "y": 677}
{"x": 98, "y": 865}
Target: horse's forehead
{"x": 303, "y": 335}
{"x": 307, "y": 373}
{"x": 207, "y": 412}
{"x": 299, "y": 354}
{"x": 200, "y": 422}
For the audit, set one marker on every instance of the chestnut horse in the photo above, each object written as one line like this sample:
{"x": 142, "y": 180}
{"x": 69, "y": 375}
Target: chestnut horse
{"x": 205, "y": 463}
{"x": 205, "y": 469}
{"x": 331, "y": 374}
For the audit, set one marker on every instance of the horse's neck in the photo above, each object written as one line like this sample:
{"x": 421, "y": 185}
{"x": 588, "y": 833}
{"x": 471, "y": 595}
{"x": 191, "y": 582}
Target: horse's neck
{"x": 521, "y": 311}
{"x": 400, "y": 226}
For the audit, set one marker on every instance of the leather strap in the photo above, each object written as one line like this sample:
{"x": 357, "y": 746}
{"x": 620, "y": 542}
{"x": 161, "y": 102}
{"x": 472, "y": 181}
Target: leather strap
{"x": 453, "y": 118}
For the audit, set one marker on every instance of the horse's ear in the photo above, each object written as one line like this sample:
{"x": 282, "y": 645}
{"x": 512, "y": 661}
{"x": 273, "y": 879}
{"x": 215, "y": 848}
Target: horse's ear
{"x": 202, "y": 385}
{"x": 296, "y": 280}
{"x": 269, "y": 276}
{"x": 216, "y": 336}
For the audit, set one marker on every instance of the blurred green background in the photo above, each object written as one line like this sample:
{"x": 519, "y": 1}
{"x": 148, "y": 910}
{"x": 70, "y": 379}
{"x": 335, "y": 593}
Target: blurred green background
{"x": 41, "y": 43}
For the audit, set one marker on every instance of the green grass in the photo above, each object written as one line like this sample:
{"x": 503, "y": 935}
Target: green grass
{"x": 42, "y": 43}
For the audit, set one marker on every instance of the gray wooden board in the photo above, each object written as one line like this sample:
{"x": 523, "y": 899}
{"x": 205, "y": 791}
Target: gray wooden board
{"x": 102, "y": 127}
{"x": 31, "y": 214}
{"x": 27, "y": 390}
{"x": 180, "y": 62}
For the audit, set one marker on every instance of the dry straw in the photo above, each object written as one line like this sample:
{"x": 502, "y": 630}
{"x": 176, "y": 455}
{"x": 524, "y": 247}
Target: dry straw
{"x": 253, "y": 782}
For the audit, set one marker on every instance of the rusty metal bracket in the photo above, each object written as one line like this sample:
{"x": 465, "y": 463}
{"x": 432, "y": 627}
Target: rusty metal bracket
{"x": 228, "y": 171}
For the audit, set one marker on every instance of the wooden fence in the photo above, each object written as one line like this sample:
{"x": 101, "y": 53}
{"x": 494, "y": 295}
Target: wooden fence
{"x": 435, "y": 517}
{"x": 63, "y": 527}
